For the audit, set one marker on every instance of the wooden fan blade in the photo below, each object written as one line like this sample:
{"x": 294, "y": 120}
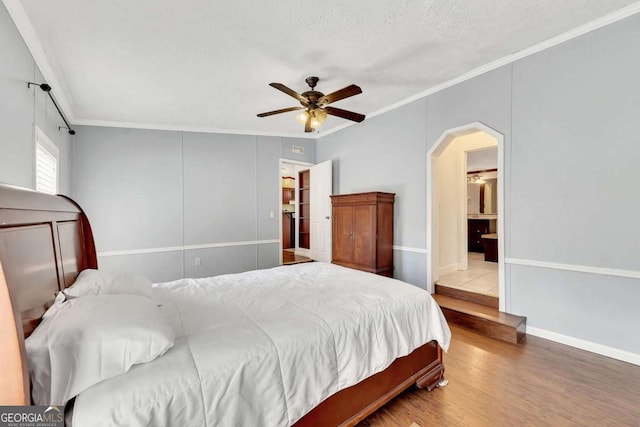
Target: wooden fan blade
{"x": 349, "y": 115}
{"x": 307, "y": 125}
{"x": 284, "y": 110}
{"x": 290, "y": 92}
{"x": 340, "y": 94}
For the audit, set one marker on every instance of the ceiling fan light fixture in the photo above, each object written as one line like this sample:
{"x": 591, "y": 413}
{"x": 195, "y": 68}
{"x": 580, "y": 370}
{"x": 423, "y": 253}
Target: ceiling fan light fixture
{"x": 302, "y": 117}
{"x": 316, "y": 104}
{"x": 321, "y": 115}
{"x": 314, "y": 122}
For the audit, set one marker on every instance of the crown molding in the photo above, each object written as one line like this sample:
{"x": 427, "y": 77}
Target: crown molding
{"x": 178, "y": 128}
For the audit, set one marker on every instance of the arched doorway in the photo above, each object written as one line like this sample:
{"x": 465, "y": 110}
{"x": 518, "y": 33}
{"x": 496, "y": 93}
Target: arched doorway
{"x": 433, "y": 218}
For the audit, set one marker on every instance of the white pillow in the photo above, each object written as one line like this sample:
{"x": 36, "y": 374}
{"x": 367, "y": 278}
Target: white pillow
{"x": 96, "y": 282}
{"x": 90, "y": 339}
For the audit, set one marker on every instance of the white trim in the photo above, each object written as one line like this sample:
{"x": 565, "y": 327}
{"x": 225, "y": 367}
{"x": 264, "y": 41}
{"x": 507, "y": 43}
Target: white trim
{"x": 321, "y": 133}
{"x": 633, "y": 274}
{"x": 20, "y": 18}
{"x": 409, "y": 249}
{"x": 178, "y": 128}
{"x": 141, "y": 251}
{"x": 431, "y": 233}
{"x": 615, "y": 353}
{"x": 23, "y": 23}
{"x": 186, "y": 248}
{"x": 42, "y": 139}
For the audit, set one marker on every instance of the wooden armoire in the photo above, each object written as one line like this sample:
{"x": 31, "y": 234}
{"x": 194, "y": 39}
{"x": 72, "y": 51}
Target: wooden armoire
{"x": 363, "y": 231}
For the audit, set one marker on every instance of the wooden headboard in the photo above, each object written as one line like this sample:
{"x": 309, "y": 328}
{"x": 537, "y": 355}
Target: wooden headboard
{"x": 45, "y": 241}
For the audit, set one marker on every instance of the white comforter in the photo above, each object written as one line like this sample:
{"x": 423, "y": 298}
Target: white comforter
{"x": 263, "y": 348}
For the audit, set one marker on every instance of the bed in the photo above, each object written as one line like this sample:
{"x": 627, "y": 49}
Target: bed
{"x": 45, "y": 241}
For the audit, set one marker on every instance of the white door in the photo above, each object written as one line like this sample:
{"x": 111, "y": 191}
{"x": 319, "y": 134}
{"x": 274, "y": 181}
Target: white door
{"x": 321, "y": 189}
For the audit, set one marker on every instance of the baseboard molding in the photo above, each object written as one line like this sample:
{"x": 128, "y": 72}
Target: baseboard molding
{"x": 447, "y": 269}
{"x": 603, "y": 350}
{"x": 187, "y": 247}
{"x": 633, "y": 274}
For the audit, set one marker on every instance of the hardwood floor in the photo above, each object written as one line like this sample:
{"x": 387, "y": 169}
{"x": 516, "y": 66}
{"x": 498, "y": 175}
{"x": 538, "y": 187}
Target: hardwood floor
{"x": 289, "y": 257}
{"x": 539, "y": 383}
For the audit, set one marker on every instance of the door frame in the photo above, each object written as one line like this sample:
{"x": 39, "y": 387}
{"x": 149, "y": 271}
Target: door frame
{"x": 291, "y": 162}
{"x": 438, "y": 147}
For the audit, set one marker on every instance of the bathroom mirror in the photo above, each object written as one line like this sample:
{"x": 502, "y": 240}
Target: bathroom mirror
{"x": 482, "y": 196}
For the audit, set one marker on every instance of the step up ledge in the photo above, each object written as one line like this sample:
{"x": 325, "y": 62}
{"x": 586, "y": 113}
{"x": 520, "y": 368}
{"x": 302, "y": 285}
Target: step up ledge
{"x": 500, "y": 318}
{"x": 477, "y": 298}
{"x": 487, "y": 327}
{"x": 478, "y": 310}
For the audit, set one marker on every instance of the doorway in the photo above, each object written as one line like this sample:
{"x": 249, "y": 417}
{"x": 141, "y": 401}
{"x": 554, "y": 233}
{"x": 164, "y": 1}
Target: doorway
{"x": 305, "y": 222}
{"x": 465, "y": 247}
{"x": 289, "y": 187}
{"x": 481, "y": 210}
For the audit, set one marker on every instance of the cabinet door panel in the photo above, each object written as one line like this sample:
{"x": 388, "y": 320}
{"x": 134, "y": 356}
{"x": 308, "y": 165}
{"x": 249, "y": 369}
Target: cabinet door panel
{"x": 364, "y": 233}
{"x": 476, "y": 228}
{"x": 343, "y": 234}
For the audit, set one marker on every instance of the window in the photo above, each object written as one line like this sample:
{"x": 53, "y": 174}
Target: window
{"x": 46, "y": 163}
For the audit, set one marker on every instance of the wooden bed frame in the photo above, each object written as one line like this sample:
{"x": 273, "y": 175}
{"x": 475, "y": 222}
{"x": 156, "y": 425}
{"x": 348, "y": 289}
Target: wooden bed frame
{"x": 45, "y": 241}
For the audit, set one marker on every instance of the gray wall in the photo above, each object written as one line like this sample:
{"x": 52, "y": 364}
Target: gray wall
{"x": 21, "y": 108}
{"x": 387, "y": 153}
{"x": 570, "y": 117}
{"x": 158, "y": 199}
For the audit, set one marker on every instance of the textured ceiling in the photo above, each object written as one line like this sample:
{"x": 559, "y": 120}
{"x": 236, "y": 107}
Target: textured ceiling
{"x": 207, "y": 64}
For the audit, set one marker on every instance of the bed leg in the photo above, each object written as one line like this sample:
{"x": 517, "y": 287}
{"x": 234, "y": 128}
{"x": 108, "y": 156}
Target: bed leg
{"x": 443, "y": 382}
{"x": 433, "y": 378}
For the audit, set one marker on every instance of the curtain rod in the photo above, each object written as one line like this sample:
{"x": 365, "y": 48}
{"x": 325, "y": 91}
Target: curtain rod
{"x": 46, "y": 88}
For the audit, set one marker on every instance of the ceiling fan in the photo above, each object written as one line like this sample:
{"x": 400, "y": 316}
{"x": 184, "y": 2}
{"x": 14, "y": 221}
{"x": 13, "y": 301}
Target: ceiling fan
{"x": 316, "y": 104}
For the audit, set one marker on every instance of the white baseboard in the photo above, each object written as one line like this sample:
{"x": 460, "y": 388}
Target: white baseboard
{"x": 614, "y": 353}
{"x": 448, "y": 269}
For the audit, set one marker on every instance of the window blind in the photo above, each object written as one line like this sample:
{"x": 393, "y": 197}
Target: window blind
{"x": 46, "y": 164}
